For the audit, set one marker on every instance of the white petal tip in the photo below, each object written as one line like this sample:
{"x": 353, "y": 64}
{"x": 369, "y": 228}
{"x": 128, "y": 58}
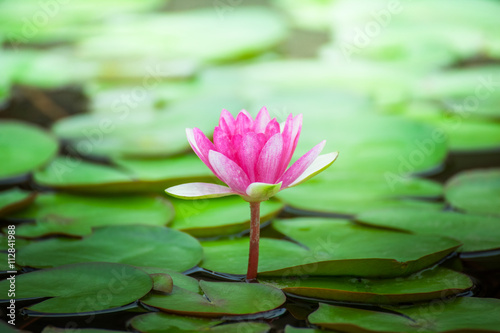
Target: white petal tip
{"x": 193, "y": 191}
{"x": 320, "y": 164}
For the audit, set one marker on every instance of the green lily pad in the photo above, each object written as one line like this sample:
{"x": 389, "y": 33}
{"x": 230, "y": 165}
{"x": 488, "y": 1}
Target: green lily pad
{"x": 15, "y": 199}
{"x": 291, "y": 329}
{"x": 464, "y": 314}
{"x": 8, "y": 328}
{"x": 52, "y": 329}
{"x": 159, "y": 174}
{"x": 76, "y": 215}
{"x": 180, "y": 280}
{"x": 44, "y": 25}
{"x": 81, "y": 288}
{"x": 81, "y": 176}
{"x": 148, "y": 134}
{"x": 23, "y": 148}
{"x": 467, "y": 135}
{"x": 162, "y": 322}
{"x": 144, "y": 246}
{"x": 330, "y": 247}
{"x": 475, "y": 232}
{"x": 215, "y": 299}
{"x": 421, "y": 286}
{"x": 475, "y": 191}
{"x": 224, "y": 36}
{"x": 222, "y": 216}
{"x": 353, "y": 192}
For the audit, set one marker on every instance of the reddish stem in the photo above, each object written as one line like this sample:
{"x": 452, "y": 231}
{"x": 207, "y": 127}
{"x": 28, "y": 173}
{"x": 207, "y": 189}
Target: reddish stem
{"x": 253, "y": 258}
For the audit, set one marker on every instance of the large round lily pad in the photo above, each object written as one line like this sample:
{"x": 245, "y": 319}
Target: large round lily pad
{"x": 15, "y": 199}
{"x": 475, "y": 191}
{"x": 81, "y": 288}
{"x": 421, "y": 286}
{"x": 81, "y": 176}
{"x": 464, "y": 314}
{"x": 331, "y": 247}
{"x": 225, "y": 35}
{"x": 475, "y": 232}
{"x": 59, "y": 213}
{"x": 354, "y": 192}
{"x": 23, "y": 148}
{"x": 215, "y": 299}
{"x": 148, "y": 134}
{"x": 163, "y": 322}
{"x": 223, "y": 216}
{"x": 145, "y": 246}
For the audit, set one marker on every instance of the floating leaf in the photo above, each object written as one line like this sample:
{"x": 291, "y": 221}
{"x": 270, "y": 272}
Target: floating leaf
{"x": 148, "y": 134}
{"x": 222, "y": 216}
{"x": 163, "y": 322}
{"x": 464, "y": 314}
{"x": 353, "y": 192}
{"x": 475, "y": 191}
{"x": 23, "y": 148}
{"x": 421, "y": 286}
{"x": 165, "y": 172}
{"x": 224, "y": 35}
{"x": 52, "y": 329}
{"x": 331, "y": 247}
{"x": 59, "y": 213}
{"x": 81, "y": 288}
{"x": 15, "y": 199}
{"x": 475, "y": 232}
{"x": 81, "y": 176}
{"x": 145, "y": 246}
{"x": 215, "y": 299}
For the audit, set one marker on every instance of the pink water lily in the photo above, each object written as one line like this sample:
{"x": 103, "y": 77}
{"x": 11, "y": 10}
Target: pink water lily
{"x": 251, "y": 156}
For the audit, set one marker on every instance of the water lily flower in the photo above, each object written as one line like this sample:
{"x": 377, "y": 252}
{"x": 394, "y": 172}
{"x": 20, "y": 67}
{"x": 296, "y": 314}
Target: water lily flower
{"x": 252, "y": 157}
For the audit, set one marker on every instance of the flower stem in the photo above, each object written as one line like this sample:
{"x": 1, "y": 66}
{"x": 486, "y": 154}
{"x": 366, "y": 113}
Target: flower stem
{"x": 253, "y": 258}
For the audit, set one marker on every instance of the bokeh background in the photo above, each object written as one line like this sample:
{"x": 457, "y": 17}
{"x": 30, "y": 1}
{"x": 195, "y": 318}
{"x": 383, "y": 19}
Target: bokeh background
{"x": 95, "y": 96}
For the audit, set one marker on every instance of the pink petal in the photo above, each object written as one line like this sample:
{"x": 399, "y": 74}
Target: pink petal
{"x": 199, "y": 191}
{"x": 272, "y": 128}
{"x": 222, "y": 142}
{"x": 229, "y": 172}
{"x": 268, "y": 163}
{"x": 319, "y": 165}
{"x": 200, "y": 144}
{"x": 229, "y": 121}
{"x": 261, "y": 121}
{"x": 291, "y": 133}
{"x": 225, "y": 128}
{"x": 244, "y": 123}
{"x": 301, "y": 164}
{"x": 248, "y": 153}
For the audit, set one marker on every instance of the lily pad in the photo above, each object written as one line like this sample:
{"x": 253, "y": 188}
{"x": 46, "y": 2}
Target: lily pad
{"x": 148, "y": 134}
{"x": 81, "y": 288}
{"x": 475, "y": 232}
{"x": 224, "y": 36}
{"x": 353, "y": 192}
{"x": 331, "y": 247}
{"x": 421, "y": 286}
{"x": 163, "y": 322}
{"x": 81, "y": 176}
{"x": 165, "y": 172}
{"x": 291, "y": 329}
{"x": 52, "y": 329}
{"x": 15, "y": 199}
{"x": 464, "y": 314}
{"x": 222, "y": 216}
{"x": 144, "y": 246}
{"x": 475, "y": 191}
{"x": 215, "y": 299}
{"x": 76, "y": 215}
{"x": 23, "y": 148}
